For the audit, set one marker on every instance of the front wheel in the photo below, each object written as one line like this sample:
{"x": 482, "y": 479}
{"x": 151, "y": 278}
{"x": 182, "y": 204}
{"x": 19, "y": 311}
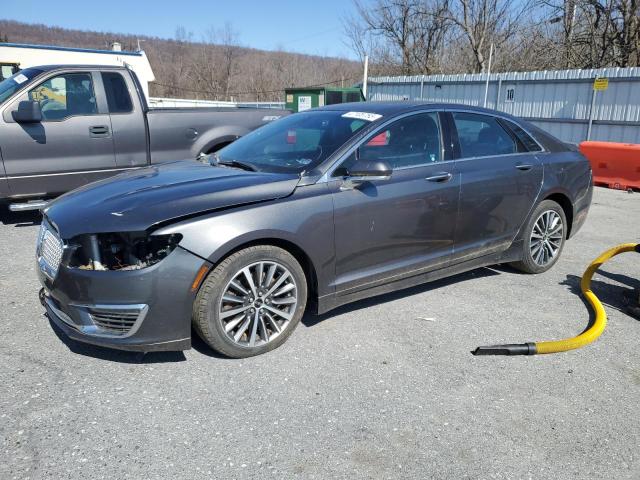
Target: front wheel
{"x": 251, "y": 302}
{"x": 544, "y": 238}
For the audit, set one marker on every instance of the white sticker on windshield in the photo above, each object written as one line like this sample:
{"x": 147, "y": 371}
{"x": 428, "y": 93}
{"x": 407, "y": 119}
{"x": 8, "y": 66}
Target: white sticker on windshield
{"x": 20, "y": 78}
{"x": 369, "y": 117}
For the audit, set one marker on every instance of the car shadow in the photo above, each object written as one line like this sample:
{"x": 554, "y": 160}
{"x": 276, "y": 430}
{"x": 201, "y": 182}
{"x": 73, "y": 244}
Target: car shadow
{"x": 112, "y": 355}
{"x": 28, "y": 218}
{"x": 309, "y": 319}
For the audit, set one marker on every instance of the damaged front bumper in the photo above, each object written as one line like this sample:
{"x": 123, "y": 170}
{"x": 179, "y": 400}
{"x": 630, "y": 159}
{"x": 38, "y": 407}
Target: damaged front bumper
{"x": 142, "y": 310}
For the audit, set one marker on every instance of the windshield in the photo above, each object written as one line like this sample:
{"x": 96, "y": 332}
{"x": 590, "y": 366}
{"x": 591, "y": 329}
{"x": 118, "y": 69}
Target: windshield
{"x": 297, "y": 142}
{"x": 15, "y": 82}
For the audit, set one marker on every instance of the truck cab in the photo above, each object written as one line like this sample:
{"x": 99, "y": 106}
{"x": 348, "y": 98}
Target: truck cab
{"x": 63, "y": 126}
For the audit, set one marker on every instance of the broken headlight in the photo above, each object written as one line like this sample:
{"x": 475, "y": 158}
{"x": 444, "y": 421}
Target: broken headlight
{"x": 121, "y": 251}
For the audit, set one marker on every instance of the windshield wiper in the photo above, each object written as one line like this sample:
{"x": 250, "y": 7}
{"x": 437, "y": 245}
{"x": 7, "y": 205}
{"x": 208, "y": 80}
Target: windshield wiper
{"x": 237, "y": 164}
{"x": 214, "y": 161}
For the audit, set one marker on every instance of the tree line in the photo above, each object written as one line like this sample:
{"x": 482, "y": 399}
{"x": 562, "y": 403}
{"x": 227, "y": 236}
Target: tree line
{"x": 212, "y": 66}
{"x": 401, "y": 37}
{"x": 407, "y": 37}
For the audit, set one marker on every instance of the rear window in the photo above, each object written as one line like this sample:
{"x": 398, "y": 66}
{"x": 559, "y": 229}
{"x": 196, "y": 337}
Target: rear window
{"x": 529, "y": 143}
{"x": 482, "y": 136}
{"x": 118, "y": 98}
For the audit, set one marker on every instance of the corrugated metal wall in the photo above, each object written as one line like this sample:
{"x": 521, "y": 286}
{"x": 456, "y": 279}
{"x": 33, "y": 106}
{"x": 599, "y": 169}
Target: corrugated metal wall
{"x": 557, "y": 101}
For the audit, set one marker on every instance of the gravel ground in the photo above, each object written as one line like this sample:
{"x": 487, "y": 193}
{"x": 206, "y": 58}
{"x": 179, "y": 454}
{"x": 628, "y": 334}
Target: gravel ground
{"x": 384, "y": 388}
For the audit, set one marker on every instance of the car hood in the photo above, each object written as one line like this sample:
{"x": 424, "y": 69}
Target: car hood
{"x": 140, "y": 199}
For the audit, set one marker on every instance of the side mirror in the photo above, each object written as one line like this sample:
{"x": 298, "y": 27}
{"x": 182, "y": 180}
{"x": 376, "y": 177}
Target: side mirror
{"x": 27, "y": 112}
{"x": 364, "y": 170}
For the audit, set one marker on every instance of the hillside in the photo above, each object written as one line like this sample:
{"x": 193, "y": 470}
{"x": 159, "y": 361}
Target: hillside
{"x": 218, "y": 69}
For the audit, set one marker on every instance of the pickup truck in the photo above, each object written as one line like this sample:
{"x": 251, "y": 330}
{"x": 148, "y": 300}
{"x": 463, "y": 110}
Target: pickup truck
{"x": 62, "y": 127}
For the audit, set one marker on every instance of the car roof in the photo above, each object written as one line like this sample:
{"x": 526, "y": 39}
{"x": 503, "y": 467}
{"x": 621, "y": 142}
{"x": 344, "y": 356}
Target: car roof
{"x": 47, "y": 68}
{"x": 396, "y": 107}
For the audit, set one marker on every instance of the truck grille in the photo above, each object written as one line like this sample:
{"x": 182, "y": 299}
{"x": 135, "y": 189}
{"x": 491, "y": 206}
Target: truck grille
{"x": 116, "y": 321}
{"x": 49, "y": 250}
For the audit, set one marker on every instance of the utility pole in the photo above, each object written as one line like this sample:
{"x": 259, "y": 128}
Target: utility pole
{"x": 364, "y": 78}
{"x": 486, "y": 85}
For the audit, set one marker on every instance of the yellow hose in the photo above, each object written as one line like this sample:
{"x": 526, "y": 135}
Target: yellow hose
{"x": 586, "y": 337}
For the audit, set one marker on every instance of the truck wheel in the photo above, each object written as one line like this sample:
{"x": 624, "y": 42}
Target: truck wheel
{"x": 251, "y": 302}
{"x": 544, "y": 237}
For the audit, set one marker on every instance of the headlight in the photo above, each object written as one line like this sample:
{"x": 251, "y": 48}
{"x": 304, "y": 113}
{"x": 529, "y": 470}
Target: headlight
{"x": 121, "y": 251}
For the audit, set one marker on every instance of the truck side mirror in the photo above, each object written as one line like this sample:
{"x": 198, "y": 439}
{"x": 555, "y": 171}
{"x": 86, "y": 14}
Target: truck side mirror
{"x": 28, "y": 112}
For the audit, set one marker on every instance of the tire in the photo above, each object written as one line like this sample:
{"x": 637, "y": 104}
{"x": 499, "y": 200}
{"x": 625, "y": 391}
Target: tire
{"x": 219, "y": 317}
{"x": 533, "y": 258}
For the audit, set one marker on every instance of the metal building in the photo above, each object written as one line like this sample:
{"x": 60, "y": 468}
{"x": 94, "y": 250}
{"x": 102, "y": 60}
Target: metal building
{"x": 563, "y": 102}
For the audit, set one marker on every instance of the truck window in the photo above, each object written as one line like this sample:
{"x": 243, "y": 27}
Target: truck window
{"x": 118, "y": 97}
{"x": 6, "y": 70}
{"x": 65, "y": 95}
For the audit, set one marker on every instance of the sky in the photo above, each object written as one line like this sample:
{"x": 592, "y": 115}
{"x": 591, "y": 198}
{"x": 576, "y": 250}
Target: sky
{"x": 300, "y": 26}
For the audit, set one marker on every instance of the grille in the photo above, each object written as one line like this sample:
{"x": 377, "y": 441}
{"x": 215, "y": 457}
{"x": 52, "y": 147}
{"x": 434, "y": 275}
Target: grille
{"x": 50, "y": 250}
{"x": 115, "y": 322}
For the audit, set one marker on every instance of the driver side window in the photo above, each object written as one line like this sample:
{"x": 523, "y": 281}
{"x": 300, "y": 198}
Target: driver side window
{"x": 409, "y": 142}
{"x": 65, "y": 95}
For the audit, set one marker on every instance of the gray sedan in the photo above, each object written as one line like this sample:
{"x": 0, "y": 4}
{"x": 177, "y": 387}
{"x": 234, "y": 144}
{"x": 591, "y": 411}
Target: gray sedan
{"x": 310, "y": 212}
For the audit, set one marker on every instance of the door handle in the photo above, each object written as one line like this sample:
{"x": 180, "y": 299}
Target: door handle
{"x": 524, "y": 166}
{"x": 99, "y": 131}
{"x": 439, "y": 177}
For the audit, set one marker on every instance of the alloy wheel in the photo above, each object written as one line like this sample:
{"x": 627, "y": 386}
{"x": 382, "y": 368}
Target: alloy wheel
{"x": 546, "y": 237}
{"x": 258, "y": 303}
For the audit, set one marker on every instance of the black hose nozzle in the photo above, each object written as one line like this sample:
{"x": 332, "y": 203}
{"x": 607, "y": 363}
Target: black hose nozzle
{"x": 510, "y": 349}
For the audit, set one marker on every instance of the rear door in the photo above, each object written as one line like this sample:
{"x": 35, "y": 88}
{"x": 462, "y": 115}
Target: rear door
{"x": 500, "y": 182}
{"x": 70, "y": 147}
{"x": 127, "y": 119}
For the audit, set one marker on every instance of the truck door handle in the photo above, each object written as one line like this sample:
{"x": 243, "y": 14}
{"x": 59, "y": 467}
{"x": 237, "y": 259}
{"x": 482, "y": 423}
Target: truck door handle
{"x": 524, "y": 166}
{"x": 439, "y": 177}
{"x": 99, "y": 131}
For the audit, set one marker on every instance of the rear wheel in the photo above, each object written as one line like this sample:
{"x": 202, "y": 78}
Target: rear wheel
{"x": 251, "y": 302}
{"x": 544, "y": 238}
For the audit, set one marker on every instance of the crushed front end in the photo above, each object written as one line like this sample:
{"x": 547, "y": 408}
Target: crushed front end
{"x": 130, "y": 290}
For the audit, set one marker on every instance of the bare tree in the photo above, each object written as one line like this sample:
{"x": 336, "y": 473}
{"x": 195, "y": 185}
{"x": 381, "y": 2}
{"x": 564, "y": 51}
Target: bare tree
{"x": 596, "y": 33}
{"x": 404, "y": 33}
{"x": 482, "y": 22}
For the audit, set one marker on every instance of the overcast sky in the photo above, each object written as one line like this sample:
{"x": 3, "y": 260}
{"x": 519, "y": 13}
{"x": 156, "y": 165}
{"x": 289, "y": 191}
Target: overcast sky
{"x": 313, "y": 27}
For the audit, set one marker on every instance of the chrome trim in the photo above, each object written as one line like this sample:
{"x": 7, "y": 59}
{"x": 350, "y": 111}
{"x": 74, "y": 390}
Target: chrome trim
{"x": 50, "y": 271}
{"x": 31, "y": 205}
{"x": 96, "y": 330}
{"x": 498, "y": 156}
{"x": 93, "y": 330}
{"x": 14, "y": 177}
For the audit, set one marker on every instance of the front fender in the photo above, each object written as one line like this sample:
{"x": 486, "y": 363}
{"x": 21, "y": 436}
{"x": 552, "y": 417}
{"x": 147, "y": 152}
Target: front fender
{"x": 304, "y": 219}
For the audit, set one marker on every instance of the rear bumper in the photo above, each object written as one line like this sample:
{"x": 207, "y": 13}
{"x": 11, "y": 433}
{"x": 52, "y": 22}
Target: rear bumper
{"x": 580, "y": 210}
{"x": 158, "y": 300}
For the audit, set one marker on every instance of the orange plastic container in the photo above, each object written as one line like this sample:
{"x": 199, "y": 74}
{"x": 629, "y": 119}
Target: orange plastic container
{"x": 614, "y": 165}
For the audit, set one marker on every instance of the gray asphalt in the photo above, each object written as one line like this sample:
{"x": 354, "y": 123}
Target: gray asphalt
{"x": 384, "y": 388}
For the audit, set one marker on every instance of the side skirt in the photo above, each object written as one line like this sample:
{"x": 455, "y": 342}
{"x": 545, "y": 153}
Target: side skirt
{"x": 512, "y": 254}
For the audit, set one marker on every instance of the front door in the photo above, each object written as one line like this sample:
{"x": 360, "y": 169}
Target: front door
{"x": 72, "y": 145}
{"x": 500, "y": 181}
{"x": 386, "y": 230}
